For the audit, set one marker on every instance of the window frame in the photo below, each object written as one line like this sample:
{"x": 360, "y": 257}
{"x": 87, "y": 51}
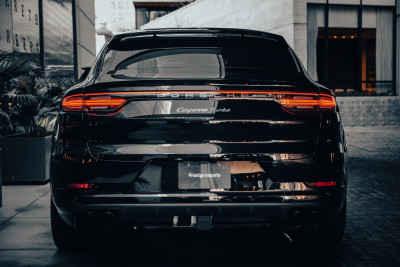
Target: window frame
{"x": 359, "y": 7}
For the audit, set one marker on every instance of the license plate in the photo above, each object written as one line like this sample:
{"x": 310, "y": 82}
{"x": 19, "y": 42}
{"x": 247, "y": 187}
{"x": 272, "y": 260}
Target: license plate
{"x": 204, "y": 175}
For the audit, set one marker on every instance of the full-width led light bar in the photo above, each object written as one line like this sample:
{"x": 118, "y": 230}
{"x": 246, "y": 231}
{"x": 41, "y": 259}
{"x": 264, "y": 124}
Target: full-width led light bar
{"x": 111, "y": 101}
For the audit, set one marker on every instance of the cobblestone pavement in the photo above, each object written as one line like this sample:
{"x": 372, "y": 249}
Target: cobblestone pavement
{"x": 372, "y": 233}
{"x": 372, "y": 236}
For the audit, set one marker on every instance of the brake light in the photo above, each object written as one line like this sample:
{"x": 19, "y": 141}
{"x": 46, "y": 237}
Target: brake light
{"x": 92, "y": 103}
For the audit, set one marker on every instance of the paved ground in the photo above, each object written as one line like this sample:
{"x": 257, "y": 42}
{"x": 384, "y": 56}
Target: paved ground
{"x": 372, "y": 234}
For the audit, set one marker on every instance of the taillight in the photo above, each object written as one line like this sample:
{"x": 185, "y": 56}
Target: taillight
{"x": 327, "y": 101}
{"x": 92, "y": 103}
{"x": 104, "y": 103}
{"x": 73, "y": 103}
{"x": 295, "y": 102}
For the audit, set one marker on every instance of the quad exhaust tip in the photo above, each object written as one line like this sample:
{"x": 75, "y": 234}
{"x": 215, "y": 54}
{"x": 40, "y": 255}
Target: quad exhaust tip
{"x": 107, "y": 220}
{"x": 297, "y": 218}
{"x": 88, "y": 219}
{"x": 300, "y": 218}
{"x": 316, "y": 218}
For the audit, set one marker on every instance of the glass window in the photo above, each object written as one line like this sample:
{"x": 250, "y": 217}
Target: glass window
{"x": 231, "y": 58}
{"x": 343, "y": 17}
{"x": 384, "y": 51}
{"x": 348, "y": 59}
{"x": 341, "y": 69}
{"x": 315, "y": 22}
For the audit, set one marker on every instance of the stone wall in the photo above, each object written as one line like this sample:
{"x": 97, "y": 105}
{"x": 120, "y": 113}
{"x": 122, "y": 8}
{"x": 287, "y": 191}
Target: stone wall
{"x": 369, "y": 111}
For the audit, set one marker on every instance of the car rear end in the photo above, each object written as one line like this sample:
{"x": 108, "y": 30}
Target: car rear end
{"x": 198, "y": 129}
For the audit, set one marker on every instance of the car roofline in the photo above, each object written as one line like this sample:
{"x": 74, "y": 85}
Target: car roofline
{"x": 194, "y": 31}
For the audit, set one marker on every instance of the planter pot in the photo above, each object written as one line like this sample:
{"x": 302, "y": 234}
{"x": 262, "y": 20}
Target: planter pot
{"x": 1, "y": 183}
{"x": 26, "y": 159}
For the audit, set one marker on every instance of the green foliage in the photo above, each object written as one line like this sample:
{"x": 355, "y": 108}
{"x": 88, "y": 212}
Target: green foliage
{"x": 5, "y": 124}
{"x": 12, "y": 67}
{"x": 50, "y": 101}
{"x": 29, "y": 102}
{"x": 22, "y": 109}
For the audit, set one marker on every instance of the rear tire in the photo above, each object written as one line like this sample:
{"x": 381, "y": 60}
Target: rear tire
{"x": 332, "y": 236}
{"x": 65, "y": 237}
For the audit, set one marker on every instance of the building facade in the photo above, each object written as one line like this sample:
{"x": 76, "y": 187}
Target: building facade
{"x": 351, "y": 46}
{"x": 149, "y": 10}
{"x": 117, "y": 16}
{"x": 58, "y": 35}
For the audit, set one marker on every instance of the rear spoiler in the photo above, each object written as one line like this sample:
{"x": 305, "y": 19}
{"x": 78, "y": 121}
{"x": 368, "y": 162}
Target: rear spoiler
{"x": 155, "y": 34}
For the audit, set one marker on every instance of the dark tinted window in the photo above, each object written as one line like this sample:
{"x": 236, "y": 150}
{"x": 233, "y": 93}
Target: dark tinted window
{"x": 197, "y": 58}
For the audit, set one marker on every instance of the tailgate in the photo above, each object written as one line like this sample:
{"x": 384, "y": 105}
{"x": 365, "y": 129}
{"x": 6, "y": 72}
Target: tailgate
{"x": 193, "y": 123}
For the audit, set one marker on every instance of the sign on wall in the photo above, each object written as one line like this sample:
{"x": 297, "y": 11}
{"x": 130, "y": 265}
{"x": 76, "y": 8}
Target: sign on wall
{"x": 116, "y": 15}
{"x": 6, "y": 32}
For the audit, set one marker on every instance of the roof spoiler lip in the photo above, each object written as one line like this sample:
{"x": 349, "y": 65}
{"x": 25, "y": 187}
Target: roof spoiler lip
{"x": 165, "y": 31}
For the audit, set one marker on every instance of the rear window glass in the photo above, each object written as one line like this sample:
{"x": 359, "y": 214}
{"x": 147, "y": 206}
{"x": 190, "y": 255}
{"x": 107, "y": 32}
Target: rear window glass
{"x": 196, "y": 58}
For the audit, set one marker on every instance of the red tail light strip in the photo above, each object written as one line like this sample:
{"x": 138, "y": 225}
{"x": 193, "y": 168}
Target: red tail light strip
{"x": 107, "y": 102}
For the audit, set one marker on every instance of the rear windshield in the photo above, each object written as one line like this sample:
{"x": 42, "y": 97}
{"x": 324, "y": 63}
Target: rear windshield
{"x": 197, "y": 58}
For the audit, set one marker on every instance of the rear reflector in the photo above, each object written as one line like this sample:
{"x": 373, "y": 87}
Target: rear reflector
{"x": 321, "y": 184}
{"x": 78, "y": 186}
{"x": 92, "y": 103}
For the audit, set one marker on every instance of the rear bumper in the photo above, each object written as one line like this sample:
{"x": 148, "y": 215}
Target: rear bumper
{"x": 104, "y": 213}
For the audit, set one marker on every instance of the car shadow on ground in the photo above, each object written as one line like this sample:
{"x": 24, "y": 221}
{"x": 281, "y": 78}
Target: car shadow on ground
{"x": 197, "y": 249}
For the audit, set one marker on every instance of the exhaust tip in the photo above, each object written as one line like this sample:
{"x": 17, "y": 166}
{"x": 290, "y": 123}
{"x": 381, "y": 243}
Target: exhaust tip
{"x": 88, "y": 219}
{"x": 297, "y": 218}
{"x": 107, "y": 220}
{"x": 316, "y": 218}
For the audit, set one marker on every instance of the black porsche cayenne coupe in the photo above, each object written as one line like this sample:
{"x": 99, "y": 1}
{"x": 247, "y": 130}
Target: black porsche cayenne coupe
{"x": 198, "y": 129}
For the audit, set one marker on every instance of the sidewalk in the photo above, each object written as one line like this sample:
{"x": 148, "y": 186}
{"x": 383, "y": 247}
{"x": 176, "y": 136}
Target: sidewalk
{"x": 379, "y": 142}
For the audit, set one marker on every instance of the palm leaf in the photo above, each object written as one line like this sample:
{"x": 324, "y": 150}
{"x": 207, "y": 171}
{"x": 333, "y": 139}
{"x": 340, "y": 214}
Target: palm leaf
{"x": 12, "y": 67}
{"x": 5, "y": 124}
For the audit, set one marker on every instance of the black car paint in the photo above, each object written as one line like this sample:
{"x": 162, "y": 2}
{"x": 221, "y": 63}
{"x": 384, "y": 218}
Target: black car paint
{"x": 289, "y": 147}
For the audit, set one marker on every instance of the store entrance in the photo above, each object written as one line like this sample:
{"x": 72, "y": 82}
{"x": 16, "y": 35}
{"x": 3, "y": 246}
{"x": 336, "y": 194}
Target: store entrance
{"x": 343, "y": 67}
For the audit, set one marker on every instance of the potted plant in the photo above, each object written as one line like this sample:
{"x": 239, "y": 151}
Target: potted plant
{"x": 5, "y": 127}
{"x": 31, "y": 103}
{"x": 10, "y": 68}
